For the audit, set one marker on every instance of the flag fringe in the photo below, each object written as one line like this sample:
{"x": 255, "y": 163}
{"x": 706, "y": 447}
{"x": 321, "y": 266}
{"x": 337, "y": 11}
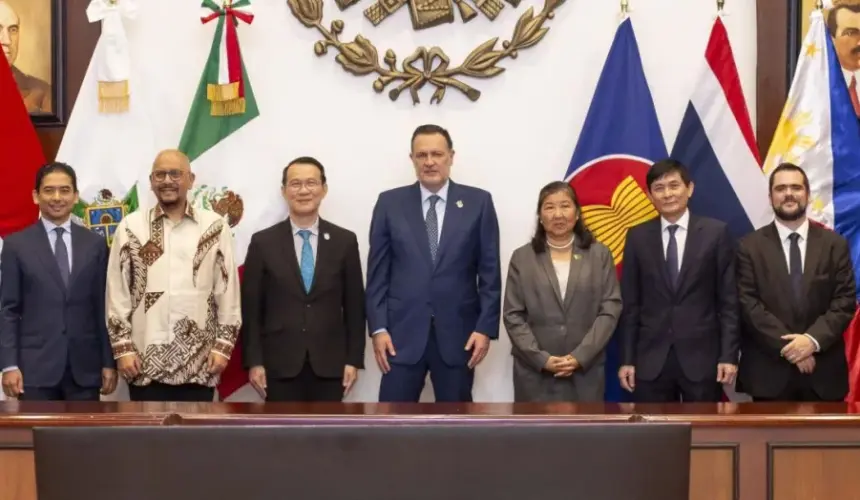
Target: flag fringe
{"x": 228, "y": 108}
{"x": 113, "y": 97}
{"x": 227, "y": 92}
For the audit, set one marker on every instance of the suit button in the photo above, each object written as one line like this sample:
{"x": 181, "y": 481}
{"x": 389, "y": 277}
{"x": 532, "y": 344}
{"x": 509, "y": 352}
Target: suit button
{"x": 308, "y": 306}
{"x": 304, "y": 330}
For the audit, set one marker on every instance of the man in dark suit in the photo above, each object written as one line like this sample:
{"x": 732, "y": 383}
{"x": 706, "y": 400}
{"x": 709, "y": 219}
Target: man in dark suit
{"x": 303, "y": 314}
{"x": 53, "y": 335}
{"x": 679, "y": 322}
{"x": 797, "y": 297}
{"x": 433, "y": 278}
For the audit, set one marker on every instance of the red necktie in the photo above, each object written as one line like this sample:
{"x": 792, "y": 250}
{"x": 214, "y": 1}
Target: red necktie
{"x": 852, "y": 89}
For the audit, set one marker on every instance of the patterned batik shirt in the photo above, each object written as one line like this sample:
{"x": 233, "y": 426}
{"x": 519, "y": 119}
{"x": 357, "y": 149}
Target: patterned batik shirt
{"x": 173, "y": 294}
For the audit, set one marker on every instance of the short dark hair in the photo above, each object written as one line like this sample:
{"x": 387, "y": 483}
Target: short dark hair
{"x": 832, "y": 25}
{"x": 430, "y": 129}
{"x": 54, "y": 167}
{"x": 666, "y": 167}
{"x": 582, "y": 236}
{"x": 308, "y": 160}
{"x": 787, "y": 167}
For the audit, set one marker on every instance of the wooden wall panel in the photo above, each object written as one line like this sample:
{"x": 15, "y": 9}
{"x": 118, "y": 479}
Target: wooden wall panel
{"x": 772, "y": 80}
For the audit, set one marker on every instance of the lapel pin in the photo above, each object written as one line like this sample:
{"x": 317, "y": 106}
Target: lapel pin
{"x": 576, "y": 256}
{"x": 326, "y": 236}
{"x": 459, "y": 203}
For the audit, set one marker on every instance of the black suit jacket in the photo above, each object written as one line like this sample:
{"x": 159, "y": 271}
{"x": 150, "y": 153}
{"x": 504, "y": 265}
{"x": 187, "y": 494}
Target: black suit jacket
{"x": 769, "y": 311}
{"x": 699, "y": 319}
{"x": 282, "y": 324}
{"x": 43, "y": 324}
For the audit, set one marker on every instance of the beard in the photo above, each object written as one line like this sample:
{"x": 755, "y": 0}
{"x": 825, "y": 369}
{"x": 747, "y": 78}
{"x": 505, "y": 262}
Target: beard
{"x": 793, "y": 215}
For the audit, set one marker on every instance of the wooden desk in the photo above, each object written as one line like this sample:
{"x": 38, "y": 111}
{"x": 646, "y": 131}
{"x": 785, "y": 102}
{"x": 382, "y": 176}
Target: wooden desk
{"x": 740, "y": 451}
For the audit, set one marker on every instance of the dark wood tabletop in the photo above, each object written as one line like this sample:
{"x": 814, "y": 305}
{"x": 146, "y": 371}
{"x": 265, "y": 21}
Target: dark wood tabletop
{"x": 32, "y": 414}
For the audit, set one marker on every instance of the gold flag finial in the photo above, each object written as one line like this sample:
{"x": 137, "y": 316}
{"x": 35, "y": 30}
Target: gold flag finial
{"x": 624, "y": 6}
{"x": 721, "y": 4}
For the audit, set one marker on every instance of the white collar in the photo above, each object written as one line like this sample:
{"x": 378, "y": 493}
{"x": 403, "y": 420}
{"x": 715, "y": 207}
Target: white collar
{"x": 785, "y": 232}
{"x": 683, "y": 222}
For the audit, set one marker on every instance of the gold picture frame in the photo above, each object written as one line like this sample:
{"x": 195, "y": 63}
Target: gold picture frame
{"x": 31, "y": 39}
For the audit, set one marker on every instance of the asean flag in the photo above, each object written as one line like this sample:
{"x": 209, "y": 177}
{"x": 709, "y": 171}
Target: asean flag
{"x": 620, "y": 140}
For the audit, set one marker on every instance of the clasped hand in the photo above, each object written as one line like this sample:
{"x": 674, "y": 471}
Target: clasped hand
{"x": 562, "y": 366}
{"x": 799, "y": 352}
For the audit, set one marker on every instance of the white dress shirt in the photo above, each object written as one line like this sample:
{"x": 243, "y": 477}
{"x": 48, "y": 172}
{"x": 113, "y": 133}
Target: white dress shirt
{"x": 784, "y": 233}
{"x": 680, "y": 235}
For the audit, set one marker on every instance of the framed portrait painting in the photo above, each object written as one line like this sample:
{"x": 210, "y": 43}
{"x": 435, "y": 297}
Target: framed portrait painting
{"x": 31, "y": 37}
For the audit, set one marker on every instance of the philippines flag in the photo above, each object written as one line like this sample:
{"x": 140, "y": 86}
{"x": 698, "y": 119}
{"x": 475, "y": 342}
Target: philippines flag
{"x": 620, "y": 140}
{"x": 819, "y": 131}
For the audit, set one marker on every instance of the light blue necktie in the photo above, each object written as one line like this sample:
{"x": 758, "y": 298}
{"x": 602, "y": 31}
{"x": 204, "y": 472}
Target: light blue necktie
{"x": 307, "y": 263}
{"x": 432, "y": 223}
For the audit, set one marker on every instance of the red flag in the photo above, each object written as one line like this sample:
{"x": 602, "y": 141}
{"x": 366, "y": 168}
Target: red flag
{"x": 20, "y": 157}
{"x": 852, "y": 348}
{"x": 234, "y": 376}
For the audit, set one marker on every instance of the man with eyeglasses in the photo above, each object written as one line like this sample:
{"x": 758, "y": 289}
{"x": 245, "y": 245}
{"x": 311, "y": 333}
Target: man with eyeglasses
{"x": 172, "y": 292}
{"x": 303, "y": 332}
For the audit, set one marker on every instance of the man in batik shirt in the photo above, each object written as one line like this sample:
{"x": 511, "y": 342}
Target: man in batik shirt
{"x": 173, "y": 292}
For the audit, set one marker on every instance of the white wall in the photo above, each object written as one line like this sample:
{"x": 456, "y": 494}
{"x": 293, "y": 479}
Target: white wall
{"x": 517, "y": 137}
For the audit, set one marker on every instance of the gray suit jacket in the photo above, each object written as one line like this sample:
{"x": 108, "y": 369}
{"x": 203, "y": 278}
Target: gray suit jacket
{"x": 541, "y": 324}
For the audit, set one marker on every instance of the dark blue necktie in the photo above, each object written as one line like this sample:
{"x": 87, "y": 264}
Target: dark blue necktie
{"x": 307, "y": 262}
{"x": 672, "y": 256}
{"x": 61, "y": 253}
{"x": 432, "y": 223}
{"x": 795, "y": 266}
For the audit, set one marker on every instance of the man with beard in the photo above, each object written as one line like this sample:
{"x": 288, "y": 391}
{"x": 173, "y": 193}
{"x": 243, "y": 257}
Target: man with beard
{"x": 679, "y": 321}
{"x": 172, "y": 292}
{"x": 797, "y": 296}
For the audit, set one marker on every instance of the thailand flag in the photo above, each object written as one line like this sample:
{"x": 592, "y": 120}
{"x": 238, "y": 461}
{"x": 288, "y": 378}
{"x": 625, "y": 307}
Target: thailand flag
{"x": 620, "y": 140}
{"x": 819, "y": 131}
{"x": 716, "y": 142}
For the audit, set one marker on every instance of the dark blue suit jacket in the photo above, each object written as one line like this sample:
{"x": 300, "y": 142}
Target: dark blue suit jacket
{"x": 42, "y": 325}
{"x": 461, "y": 292}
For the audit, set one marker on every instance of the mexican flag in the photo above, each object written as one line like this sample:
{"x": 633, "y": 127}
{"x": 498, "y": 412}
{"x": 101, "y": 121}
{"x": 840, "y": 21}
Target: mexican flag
{"x": 190, "y": 88}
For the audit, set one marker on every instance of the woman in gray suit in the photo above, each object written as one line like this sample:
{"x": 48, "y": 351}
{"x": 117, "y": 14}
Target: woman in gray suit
{"x": 562, "y": 302}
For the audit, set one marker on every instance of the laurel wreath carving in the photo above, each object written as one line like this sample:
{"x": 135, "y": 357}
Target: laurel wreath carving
{"x": 425, "y": 65}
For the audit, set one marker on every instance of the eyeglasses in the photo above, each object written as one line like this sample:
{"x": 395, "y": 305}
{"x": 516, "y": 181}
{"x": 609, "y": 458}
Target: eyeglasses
{"x": 311, "y": 184}
{"x": 160, "y": 175}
